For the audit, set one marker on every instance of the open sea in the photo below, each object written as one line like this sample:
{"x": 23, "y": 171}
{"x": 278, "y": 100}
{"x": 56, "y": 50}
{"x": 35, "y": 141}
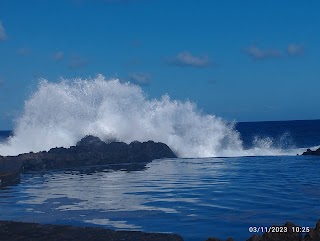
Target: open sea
{"x": 194, "y": 197}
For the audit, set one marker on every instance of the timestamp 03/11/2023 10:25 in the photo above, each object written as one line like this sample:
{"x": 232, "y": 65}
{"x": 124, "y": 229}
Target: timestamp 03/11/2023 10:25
{"x": 278, "y": 229}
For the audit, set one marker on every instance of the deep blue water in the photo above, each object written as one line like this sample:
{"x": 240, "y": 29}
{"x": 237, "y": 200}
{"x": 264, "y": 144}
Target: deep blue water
{"x": 196, "y": 198}
{"x": 300, "y": 133}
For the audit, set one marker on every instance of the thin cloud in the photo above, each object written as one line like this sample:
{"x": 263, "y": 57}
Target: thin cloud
{"x": 186, "y": 59}
{"x": 3, "y": 35}
{"x": 58, "y": 56}
{"x": 77, "y": 62}
{"x": 24, "y": 51}
{"x": 259, "y": 54}
{"x": 140, "y": 78}
{"x": 295, "y": 50}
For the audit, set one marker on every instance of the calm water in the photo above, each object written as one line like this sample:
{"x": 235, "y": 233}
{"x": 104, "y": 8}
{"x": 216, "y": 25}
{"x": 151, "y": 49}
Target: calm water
{"x": 195, "y": 198}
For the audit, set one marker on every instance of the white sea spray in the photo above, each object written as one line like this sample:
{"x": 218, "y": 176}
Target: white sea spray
{"x": 60, "y": 114}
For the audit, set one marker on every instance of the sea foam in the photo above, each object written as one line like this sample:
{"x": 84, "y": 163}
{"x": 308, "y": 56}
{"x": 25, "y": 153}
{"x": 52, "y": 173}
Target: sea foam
{"x": 60, "y": 114}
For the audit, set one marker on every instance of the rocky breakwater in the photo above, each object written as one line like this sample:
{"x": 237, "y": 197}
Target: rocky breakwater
{"x": 309, "y": 152}
{"x": 18, "y": 231}
{"x": 89, "y": 151}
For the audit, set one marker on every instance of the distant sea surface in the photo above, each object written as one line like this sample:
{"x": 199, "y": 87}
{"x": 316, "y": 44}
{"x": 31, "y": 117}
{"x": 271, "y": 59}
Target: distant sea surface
{"x": 299, "y": 133}
{"x": 196, "y": 198}
{"x": 286, "y": 134}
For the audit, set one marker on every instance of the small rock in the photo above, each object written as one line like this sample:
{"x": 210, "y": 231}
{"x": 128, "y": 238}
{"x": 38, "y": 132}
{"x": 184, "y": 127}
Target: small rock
{"x": 255, "y": 238}
{"x": 313, "y": 234}
{"x": 309, "y": 152}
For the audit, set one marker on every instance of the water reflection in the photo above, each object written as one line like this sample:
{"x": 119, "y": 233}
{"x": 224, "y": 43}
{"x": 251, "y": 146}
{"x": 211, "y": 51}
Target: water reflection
{"x": 121, "y": 190}
{"x": 191, "y": 197}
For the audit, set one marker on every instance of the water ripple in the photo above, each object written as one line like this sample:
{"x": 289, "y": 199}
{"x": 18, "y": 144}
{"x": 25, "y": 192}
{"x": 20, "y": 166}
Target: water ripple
{"x": 196, "y": 198}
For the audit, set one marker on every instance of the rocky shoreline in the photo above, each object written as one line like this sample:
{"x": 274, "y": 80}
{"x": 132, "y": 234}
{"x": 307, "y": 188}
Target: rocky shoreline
{"x": 89, "y": 151}
{"x": 18, "y": 231}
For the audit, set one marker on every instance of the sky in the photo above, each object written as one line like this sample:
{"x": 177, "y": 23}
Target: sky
{"x": 250, "y": 60}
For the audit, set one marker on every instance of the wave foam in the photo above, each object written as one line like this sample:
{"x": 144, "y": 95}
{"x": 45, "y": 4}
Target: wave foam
{"x": 60, "y": 114}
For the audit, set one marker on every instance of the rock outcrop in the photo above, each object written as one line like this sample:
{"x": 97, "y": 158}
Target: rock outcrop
{"x": 89, "y": 151}
{"x": 9, "y": 171}
{"x": 313, "y": 234}
{"x": 216, "y": 239}
{"x": 17, "y": 231}
{"x": 309, "y": 152}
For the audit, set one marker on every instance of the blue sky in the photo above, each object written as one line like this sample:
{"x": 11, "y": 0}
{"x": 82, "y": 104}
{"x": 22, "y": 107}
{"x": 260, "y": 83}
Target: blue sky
{"x": 241, "y": 60}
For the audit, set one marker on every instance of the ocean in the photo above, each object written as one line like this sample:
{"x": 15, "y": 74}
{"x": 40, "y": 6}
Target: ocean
{"x": 194, "y": 197}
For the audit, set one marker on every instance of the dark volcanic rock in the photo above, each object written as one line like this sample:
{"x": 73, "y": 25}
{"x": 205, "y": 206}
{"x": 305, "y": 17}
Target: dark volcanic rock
{"x": 283, "y": 236}
{"x": 9, "y": 171}
{"x": 309, "y": 152}
{"x": 91, "y": 142}
{"x": 216, "y": 239}
{"x": 17, "y": 231}
{"x": 91, "y": 151}
{"x": 314, "y": 233}
{"x": 255, "y": 238}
